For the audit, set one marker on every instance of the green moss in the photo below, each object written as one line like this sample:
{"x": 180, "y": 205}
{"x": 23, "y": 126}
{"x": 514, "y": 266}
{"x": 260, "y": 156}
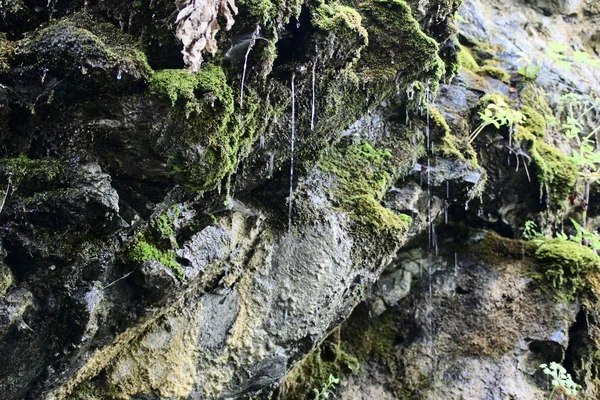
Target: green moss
{"x": 466, "y": 59}
{"x": 533, "y": 97}
{"x": 364, "y": 174}
{"x": 375, "y": 339}
{"x": 328, "y": 358}
{"x": 204, "y": 105}
{"x": 30, "y": 172}
{"x": 187, "y": 88}
{"x": 554, "y": 170}
{"x": 566, "y": 264}
{"x": 437, "y": 120}
{"x": 495, "y": 249}
{"x": 6, "y": 279}
{"x": 338, "y": 18}
{"x": 86, "y": 391}
{"x": 83, "y": 44}
{"x": 535, "y": 122}
{"x": 6, "y": 53}
{"x": 148, "y": 245}
{"x": 397, "y": 45}
{"x": 494, "y": 72}
{"x": 140, "y": 250}
{"x": 451, "y": 146}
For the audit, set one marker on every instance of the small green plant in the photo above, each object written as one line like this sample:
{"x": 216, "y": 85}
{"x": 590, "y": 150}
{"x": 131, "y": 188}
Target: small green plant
{"x": 585, "y": 155}
{"x": 498, "y": 114}
{"x": 530, "y": 70}
{"x": 327, "y": 389}
{"x": 582, "y": 236}
{"x": 562, "y": 55}
{"x": 530, "y": 232}
{"x": 560, "y": 378}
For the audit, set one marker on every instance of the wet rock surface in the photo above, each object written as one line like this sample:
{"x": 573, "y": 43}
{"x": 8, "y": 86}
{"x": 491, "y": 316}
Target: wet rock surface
{"x": 176, "y": 235}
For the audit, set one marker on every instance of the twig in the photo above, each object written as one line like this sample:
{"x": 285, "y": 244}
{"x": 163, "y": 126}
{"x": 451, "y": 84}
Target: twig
{"x": 5, "y": 196}
{"x": 121, "y": 278}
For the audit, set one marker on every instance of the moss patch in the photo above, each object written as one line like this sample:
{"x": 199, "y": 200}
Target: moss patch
{"x": 553, "y": 169}
{"x": 6, "y": 279}
{"x": 466, "y": 59}
{"x": 364, "y": 174}
{"x": 28, "y": 176}
{"x": 451, "y": 146}
{"x": 396, "y": 44}
{"x": 328, "y": 358}
{"x": 566, "y": 264}
{"x": 6, "y": 53}
{"x": 204, "y": 109}
{"x": 157, "y": 243}
{"x": 338, "y": 18}
{"x": 494, "y": 72}
{"x": 535, "y": 122}
{"x": 81, "y": 44}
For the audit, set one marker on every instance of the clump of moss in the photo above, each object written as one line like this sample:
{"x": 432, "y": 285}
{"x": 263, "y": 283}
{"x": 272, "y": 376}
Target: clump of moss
{"x": 376, "y": 339}
{"x": 495, "y": 249}
{"x": 494, "y": 72}
{"x": 140, "y": 250}
{"x": 364, "y": 174}
{"x": 83, "y": 44}
{"x": 396, "y": 44}
{"x": 553, "y": 169}
{"x": 452, "y": 146}
{"x": 86, "y": 391}
{"x": 535, "y": 122}
{"x": 328, "y": 358}
{"x": 6, "y": 53}
{"x": 204, "y": 104}
{"x": 566, "y": 264}
{"x": 466, "y": 59}
{"x": 30, "y": 176}
{"x": 183, "y": 86}
{"x": 338, "y": 18}
{"x": 149, "y": 245}
{"x": 6, "y": 279}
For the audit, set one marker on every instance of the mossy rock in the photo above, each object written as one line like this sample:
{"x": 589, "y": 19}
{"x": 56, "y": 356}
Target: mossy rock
{"x": 6, "y": 53}
{"x": 363, "y": 174}
{"x": 157, "y": 242}
{"x": 342, "y": 20}
{"x": 451, "y": 146}
{"x": 566, "y": 264}
{"x": 396, "y": 44}
{"x": 29, "y": 176}
{"x": 6, "y": 279}
{"x": 466, "y": 59}
{"x": 494, "y": 72}
{"x": 329, "y": 358}
{"x": 91, "y": 50}
{"x": 553, "y": 168}
{"x": 212, "y": 137}
{"x": 534, "y": 122}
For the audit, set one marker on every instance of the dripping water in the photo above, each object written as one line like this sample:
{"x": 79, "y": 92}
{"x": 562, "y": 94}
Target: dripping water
{"x": 430, "y": 309}
{"x": 292, "y": 140}
{"x": 270, "y": 164}
{"x": 314, "y": 96}
{"x": 446, "y": 206}
{"x": 255, "y": 35}
{"x": 427, "y": 101}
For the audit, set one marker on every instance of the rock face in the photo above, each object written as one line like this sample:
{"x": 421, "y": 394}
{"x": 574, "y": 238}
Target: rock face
{"x": 196, "y": 225}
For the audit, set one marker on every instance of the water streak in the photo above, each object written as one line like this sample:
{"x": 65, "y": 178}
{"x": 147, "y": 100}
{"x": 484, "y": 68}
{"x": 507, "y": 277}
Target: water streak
{"x": 255, "y": 35}
{"x": 292, "y": 140}
{"x": 314, "y": 96}
{"x": 270, "y": 164}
